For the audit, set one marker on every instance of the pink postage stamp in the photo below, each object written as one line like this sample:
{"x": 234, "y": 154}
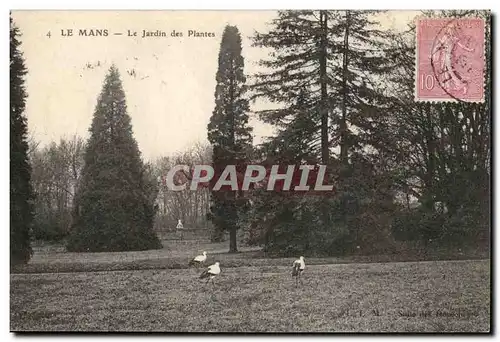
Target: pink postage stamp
{"x": 450, "y": 59}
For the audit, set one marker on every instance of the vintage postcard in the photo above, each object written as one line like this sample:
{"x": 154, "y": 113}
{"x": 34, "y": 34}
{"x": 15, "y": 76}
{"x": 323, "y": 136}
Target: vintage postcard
{"x": 290, "y": 171}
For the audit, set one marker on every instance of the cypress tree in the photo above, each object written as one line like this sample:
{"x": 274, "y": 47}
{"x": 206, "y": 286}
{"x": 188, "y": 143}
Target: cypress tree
{"x": 21, "y": 192}
{"x": 114, "y": 205}
{"x": 228, "y": 131}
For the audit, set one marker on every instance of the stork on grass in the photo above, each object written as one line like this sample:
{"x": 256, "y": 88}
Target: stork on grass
{"x": 199, "y": 259}
{"x": 210, "y": 273}
{"x": 298, "y": 267}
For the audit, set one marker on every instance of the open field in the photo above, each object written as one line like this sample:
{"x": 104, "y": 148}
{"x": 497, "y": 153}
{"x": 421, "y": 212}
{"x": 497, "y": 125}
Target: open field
{"x": 430, "y": 296}
{"x": 176, "y": 255}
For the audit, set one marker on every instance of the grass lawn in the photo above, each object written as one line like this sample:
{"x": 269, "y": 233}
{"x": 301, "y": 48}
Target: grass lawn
{"x": 176, "y": 254}
{"x": 427, "y": 296}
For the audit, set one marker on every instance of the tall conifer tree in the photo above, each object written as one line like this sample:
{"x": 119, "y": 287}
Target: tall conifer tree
{"x": 114, "y": 206}
{"x": 228, "y": 131}
{"x": 21, "y": 192}
{"x": 323, "y": 72}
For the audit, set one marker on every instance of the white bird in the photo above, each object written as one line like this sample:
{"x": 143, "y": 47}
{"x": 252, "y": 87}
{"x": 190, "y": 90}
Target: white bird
{"x": 199, "y": 259}
{"x": 211, "y": 272}
{"x": 298, "y": 267}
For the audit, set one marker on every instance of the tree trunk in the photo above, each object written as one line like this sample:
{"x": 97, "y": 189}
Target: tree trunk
{"x": 232, "y": 240}
{"x": 323, "y": 79}
{"x": 343, "y": 121}
{"x": 234, "y": 159}
{"x": 323, "y": 83}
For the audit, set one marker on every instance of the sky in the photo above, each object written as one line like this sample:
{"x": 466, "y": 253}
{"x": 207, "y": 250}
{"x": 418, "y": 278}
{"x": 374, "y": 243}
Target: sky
{"x": 171, "y": 96}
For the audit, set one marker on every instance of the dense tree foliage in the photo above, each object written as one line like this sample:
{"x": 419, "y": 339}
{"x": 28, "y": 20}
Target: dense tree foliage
{"x": 21, "y": 191}
{"x": 56, "y": 172}
{"x": 342, "y": 94}
{"x": 114, "y": 206}
{"x": 324, "y": 71}
{"x": 388, "y": 153}
{"x": 228, "y": 131}
{"x": 443, "y": 153}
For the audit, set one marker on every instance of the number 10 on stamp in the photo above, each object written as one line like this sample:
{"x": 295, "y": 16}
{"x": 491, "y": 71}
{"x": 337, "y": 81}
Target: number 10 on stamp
{"x": 450, "y": 61}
